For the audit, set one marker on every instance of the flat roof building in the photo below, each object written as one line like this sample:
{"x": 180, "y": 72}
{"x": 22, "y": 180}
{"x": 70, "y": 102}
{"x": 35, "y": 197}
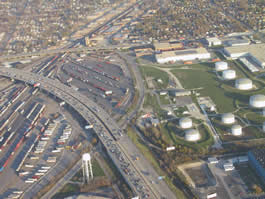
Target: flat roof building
{"x": 166, "y": 46}
{"x": 213, "y": 41}
{"x": 182, "y": 55}
{"x": 255, "y": 51}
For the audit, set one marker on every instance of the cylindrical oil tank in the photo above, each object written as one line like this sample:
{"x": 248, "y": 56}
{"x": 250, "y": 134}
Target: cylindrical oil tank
{"x": 185, "y": 123}
{"x": 257, "y": 101}
{"x": 192, "y": 135}
{"x": 243, "y": 84}
{"x": 229, "y": 74}
{"x": 220, "y": 66}
{"x": 236, "y": 130}
{"x": 228, "y": 118}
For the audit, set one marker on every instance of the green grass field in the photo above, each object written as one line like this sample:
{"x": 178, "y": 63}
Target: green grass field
{"x": 249, "y": 176}
{"x": 176, "y": 135}
{"x": 97, "y": 171}
{"x": 156, "y": 74}
{"x": 211, "y": 87}
{"x": 68, "y": 190}
{"x": 164, "y": 100}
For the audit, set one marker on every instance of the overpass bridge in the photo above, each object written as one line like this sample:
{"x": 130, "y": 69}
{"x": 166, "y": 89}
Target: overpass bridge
{"x": 104, "y": 126}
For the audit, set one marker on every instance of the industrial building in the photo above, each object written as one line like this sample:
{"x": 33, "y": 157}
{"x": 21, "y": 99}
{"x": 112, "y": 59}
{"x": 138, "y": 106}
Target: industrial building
{"x": 238, "y": 42}
{"x": 213, "y": 41}
{"x": 179, "y": 93}
{"x": 167, "y": 46}
{"x": 182, "y": 55}
{"x": 254, "y": 51}
{"x": 257, "y": 161}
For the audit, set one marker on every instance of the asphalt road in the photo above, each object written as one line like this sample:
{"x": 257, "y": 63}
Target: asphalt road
{"x": 104, "y": 126}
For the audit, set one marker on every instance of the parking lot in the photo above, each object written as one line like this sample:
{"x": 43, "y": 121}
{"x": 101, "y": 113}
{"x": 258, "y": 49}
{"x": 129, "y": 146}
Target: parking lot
{"x": 27, "y": 152}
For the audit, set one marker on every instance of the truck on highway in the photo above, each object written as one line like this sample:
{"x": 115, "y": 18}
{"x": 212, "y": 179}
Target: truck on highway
{"x": 29, "y": 181}
{"x": 109, "y": 92}
{"x": 51, "y": 159}
{"x": 42, "y": 170}
{"x": 36, "y": 85}
{"x": 45, "y": 167}
{"x": 29, "y": 165}
{"x": 89, "y": 126}
{"x": 23, "y": 173}
{"x": 39, "y": 174}
{"x": 56, "y": 151}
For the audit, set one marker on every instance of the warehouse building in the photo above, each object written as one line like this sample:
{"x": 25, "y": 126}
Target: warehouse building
{"x": 167, "y": 46}
{"x": 257, "y": 161}
{"x": 238, "y": 42}
{"x": 255, "y": 52}
{"x": 213, "y": 41}
{"x": 182, "y": 55}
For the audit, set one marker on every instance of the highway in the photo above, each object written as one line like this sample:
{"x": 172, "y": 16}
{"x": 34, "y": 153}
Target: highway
{"x": 105, "y": 127}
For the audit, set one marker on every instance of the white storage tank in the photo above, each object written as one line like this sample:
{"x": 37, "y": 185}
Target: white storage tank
{"x": 236, "y": 130}
{"x": 229, "y": 74}
{"x": 243, "y": 84}
{"x": 192, "y": 135}
{"x": 257, "y": 101}
{"x": 228, "y": 118}
{"x": 220, "y": 66}
{"x": 185, "y": 123}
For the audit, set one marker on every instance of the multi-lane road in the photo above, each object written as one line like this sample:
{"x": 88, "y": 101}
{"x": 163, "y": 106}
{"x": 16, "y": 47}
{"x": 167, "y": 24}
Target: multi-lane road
{"x": 119, "y": 148}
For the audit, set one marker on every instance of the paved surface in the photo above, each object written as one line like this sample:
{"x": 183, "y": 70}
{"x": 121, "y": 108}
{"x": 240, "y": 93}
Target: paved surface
{"x": 68, "y": 176}
{"x": 120, "y": 151}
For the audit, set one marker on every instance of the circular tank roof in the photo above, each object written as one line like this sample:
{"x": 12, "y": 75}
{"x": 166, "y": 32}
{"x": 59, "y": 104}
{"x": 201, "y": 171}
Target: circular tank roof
{"x": 86, "y": 157}
{"x": 244, "y": 81}
{"x": 257, "y": 101}
{"x": 219, "y": 66}
{"x": 192, "y": 135}
{"x": 229, "y": 74}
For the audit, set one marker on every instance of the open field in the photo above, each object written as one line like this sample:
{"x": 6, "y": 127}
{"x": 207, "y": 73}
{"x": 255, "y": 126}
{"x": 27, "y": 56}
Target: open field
{"x": 164, "y": 100}
{"x": 156, "y": 74}
{"x": 223, "y": 93}
{"x": 212, "y": 87}
{"x": 97, "y": 171}
{"x": 249, "y": 132}
{"x": 150, "y": 101}
{"x": 249, "y": 176}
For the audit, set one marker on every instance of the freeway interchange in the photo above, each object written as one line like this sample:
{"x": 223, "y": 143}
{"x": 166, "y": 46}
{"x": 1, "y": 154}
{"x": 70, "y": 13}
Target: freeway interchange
{"x": 117, "y": 145}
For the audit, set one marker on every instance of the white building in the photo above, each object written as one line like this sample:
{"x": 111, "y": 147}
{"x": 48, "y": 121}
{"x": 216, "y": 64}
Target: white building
{"x": 182, "y": 55}
{"x": 214, "y": 41}
{"x": 255, "y": 51}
